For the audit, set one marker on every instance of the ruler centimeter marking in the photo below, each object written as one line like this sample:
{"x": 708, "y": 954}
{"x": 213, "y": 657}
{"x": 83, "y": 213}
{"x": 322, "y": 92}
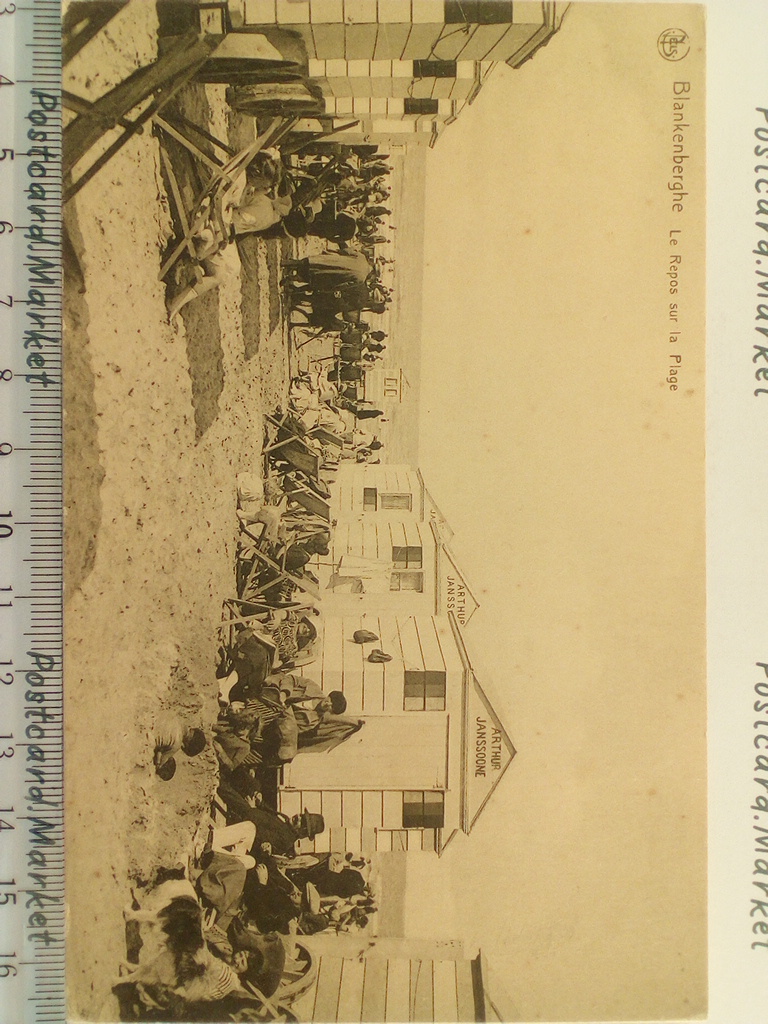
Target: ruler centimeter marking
{"x": 32, "y": 911}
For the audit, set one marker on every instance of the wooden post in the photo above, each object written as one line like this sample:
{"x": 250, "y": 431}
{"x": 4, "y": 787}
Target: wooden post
{"x": 203, "y": 157}
{"x": 173, "y": 69}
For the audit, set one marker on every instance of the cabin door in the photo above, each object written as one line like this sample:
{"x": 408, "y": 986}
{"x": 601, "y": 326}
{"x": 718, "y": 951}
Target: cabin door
{"x": 405, "y": 751}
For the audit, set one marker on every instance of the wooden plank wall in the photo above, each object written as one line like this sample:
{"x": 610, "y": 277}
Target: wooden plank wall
{"x": 372, "y": 820}
{"x": 357, "y": 821}
{"x": 393, "y": 989}
{"x": 394, "y": 479}
{"x": 415, "y": 642}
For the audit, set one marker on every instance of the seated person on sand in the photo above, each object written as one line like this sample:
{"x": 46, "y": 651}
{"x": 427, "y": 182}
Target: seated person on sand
{"x": 292, "y": 634}
{"x": 246, "y": 208}
{"x": 236, "y": 840}
{"x": 310, "y": 704}
{"x": 269, "y": 731}
{"x": 274, "y": 830}
{"x": 171, "y": 736}
{"x": 331, "y": 877}
{"x": 331, "y": 730}
{"x": 348, "y": 915}
{"x": 258, "y": 959}
{"x": 278, "y": 642}
{"x": 260, "y": 732}
{"x": 270, "y": 900}
{"x": 250, "y": 662}
{"x": 256, "y": 506}
{"x": 298, "y": 696}
{"x": 298, "y": 554}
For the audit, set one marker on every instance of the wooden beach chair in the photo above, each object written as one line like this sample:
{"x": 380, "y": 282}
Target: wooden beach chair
{"x": 252, "y": 590}
{"x": 237, "y": 613}
{"x": 304, "y": 523}
{"x": 326, "y": 437}
{"x": 209, "y": 206}
{"x": 300, "y": 493}
{"x": 282, "y": 574}
{"x": 299, "y": 456}
{"x": 292, "y": 448}
{"x": 82, "y": 21}
{"x": 150, "y": 88}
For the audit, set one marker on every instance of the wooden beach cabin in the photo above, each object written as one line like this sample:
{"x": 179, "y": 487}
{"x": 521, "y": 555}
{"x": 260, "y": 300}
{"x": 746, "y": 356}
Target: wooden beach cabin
{"x": 390, "y": 547}
{"x": 394, "y": 71}
{"x": 432, "y": 749}
{"x": 430, "y": 753}
{"x": 396, "y": 981}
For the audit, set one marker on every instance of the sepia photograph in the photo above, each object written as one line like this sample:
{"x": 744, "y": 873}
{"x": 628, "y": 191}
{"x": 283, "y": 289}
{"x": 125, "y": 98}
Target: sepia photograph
{"x": 384, "y": 481}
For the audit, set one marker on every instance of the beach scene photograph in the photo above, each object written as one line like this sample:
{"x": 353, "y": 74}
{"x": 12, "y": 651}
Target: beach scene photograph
{"x": 384, "y": 510}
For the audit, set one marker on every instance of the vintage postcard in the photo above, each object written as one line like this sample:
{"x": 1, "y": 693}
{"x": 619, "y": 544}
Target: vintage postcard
{"x": 384, "y": 510}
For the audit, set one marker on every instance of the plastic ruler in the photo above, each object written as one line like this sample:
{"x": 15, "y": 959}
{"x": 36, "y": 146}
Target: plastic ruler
{"x": 32, "y": 911}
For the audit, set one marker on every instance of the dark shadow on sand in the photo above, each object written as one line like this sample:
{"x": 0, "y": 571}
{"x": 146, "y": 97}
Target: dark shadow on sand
{"x": 201, "y": 316}
{"x": 83, "y": 471}
{"x": 250, "y": 293}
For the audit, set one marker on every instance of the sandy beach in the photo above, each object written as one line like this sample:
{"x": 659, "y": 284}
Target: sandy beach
{"x": 159, "y": 420}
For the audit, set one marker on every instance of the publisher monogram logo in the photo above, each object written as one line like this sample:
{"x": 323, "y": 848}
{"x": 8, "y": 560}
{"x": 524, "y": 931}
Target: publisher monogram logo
{"x": 673, "y": 44}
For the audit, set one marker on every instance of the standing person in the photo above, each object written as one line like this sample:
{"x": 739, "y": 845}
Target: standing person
{"x": 350, "y": 352}
{"x": 346, "y": 373}
{"x": 313, "y": 269}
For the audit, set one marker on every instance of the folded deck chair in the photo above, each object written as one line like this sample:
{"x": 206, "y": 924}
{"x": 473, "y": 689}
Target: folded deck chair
{"x": 209, "y": 210}
{"x": 302, "y": 494}
{"x": 326, "y": 437}
{"x": 299, "y": 456}
{"x": 283, "y": 574}
{"x": 292, "y": 447}
{"x": 149, "y": 88}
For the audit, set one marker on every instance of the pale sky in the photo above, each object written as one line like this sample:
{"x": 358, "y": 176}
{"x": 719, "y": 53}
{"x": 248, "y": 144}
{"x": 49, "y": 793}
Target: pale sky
{"x": 574, "y": 485}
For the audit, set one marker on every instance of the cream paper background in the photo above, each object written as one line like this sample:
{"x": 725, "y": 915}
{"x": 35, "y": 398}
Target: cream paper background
{"x": 574, "y": 480}
{"x": 737, "y": 498}
{"x": 737, "y": 440}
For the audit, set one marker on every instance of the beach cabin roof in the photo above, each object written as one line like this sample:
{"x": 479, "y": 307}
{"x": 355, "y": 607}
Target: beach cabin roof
{"x": 486, "y": 748}
{"x": 432, "y": 510}
{"x": 553, "y": 14}
{"x": 452, "y": 592}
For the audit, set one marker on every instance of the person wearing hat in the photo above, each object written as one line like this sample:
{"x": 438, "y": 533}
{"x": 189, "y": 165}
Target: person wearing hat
{"x": 258, "y": 959}
{"x": 304, "y": 694}
{"x": 171, "y": 736}
{"x": 274, "y": 829}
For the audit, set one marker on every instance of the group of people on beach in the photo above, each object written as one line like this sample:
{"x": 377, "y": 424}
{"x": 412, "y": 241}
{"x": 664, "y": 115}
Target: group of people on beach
{"x": 341, "y": 195}
{"x": 233, "y": 917}
{"x": 338, "y": 198}
{"x": 256, "y": 880}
